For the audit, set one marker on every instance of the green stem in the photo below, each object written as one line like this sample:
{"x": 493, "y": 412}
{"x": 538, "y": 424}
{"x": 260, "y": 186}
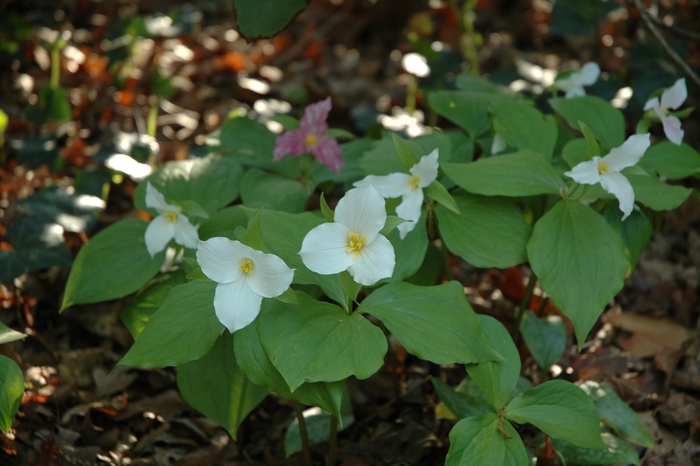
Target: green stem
{"x": 392, "y": 362}
{"x": 332, "y": 442}
{"x": 153, "y": 119}
{"x": 411, "y": 92}
{"x": 446, "y": 260}
{"x": 303, "y": 433}
{"x": 468, "y": 42}
{"x": 55, "y": 67}
{"x": 525, "y": 303}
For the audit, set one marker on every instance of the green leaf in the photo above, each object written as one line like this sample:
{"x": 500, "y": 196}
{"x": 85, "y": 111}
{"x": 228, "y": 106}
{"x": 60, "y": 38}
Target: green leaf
{"x": 476, "y": 441}
{"x": 328, "y": 214}
{"x": 466, "y": 109}
{"x": 265, "y": 18}
{"x": 11, "y": 391}
{"x": 212, "y": 182}
{"x": 409, "y": 251}
{"x": 193, "y": 210}
{"x": 497, "y": 379}
{"x": 384, "y": 158}
{"x": 435, "y": 323}
{"x": 523, "y": 173}
{"x": 592, "y": 145}
{"x": 635, "y": 231}
{"x": 148, "y": 300}
{"x": 545, "y": 338}
{"x": 439, "y": 193}
{"x": 183, "y": 329}
{"x": 391, "y": 223}
{"x": 524, "y": 127}
{"x": 289, "y": 122}
{"x": 616, "y": 452}
{"x": 261, "y": 189}
{"x": 337, "y": 133}
{"x": 489, "y": 232}
{"x": 38, "y": 245}
{"x": 651, "y": 192}
{"x": 74, "y": 212}
{"x": 10, "y": 267}
{"x": 253, "y": 235}
{"x": 319, "y": 342}
{"x": 465, "y": 401}
{"x": 215, "y": 386}
{"x": 251, "y": 357}
{"x": 37, "y": 151}
{"x": 318, "y": 428}
{"x": 605, "y": 121}
{"x": 561, "y": 410}
{"x": 7, "y": 335}
{"x": 579, "y": 260}
{"x": 114, "y": 263}
{"x": 575, "y": 152}
{"x": 617, "y": 415}
{"x": 223, "y": 223}
{"x": 406, "y": 154}
{"x": 469, "y": 82}
{"x": 52, "y": 106}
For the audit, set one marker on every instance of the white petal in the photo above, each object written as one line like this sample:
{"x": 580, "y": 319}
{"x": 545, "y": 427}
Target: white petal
{"x": 587, "y": 75}
{"x": 236, "y": 305}
{"x": 652, "y": 103}
{"x": 271, "y": 277}
{"x": 410, "y": 206}
{"x": 615, "y": 183}
{"x": 389, "y": 186}
{"x": 324, "y": 248}
{"x": 629, "y": 153}
{"x": 672, "y": 129}
{"x": 585, "y": 172}
{"x": 405, "y": 228}
{"x": 155, "y": 200}
{"x": 426, "y": 169}
{"x": 185, "y": 232}
{"x": 498, "y": 145}
{"x": 363, "y": 211}
{"x": 576, "y": 91}
{"x": 376, "y": 261}
{"x": 221, "y": 259}
{"x": 674, "y": 96}
{"x": 158, "y": 235}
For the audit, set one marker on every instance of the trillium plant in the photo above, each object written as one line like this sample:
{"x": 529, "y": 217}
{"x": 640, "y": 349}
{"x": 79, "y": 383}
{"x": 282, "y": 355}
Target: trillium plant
{"x": 289, "y": 277}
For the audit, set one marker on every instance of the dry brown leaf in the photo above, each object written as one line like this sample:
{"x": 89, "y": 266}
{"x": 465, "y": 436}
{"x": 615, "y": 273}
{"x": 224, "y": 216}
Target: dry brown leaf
{"x": 649, "y": 336}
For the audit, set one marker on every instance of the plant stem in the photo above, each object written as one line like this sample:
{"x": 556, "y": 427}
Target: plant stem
{"x": 153, "y": 118}
{"x": 303, "y": 433}
{"x": 446, "y": 260}
{"x": 525, "y": 303}
{"x": 469, "y": 39}
{"x": 55, "y": 67}
{"x": 332, "y": 442}
{"x": 411, "y": 92}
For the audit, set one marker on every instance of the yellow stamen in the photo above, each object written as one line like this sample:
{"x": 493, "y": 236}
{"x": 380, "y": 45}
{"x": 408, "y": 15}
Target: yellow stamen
{"x": 247, "y": 266}
{"x": 355, "y": 244}
{"x": 603, "y": 168}
{"x": 414, "y": 182}
{"x": 170, "y": 216}
{"x": 663, "y": 110}
{"x": 310, "y": 140}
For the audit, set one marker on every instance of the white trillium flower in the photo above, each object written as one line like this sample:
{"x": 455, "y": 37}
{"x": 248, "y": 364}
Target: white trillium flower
{"x": 606, "y": 170}
{"x": 244, "y": 276}
{"x": 353, "y": 241}
{"x": 498, "y": 145}
{"x": 574, "y": 82}
{"x": 671, "y": 98}
{"x": 408, "y": 187}
{"x": 171, "y": 223}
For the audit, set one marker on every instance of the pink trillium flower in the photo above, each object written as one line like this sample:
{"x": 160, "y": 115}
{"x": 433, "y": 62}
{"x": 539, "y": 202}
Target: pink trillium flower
{"x": 311, "y": 137}
{"x": 671, "y": 98}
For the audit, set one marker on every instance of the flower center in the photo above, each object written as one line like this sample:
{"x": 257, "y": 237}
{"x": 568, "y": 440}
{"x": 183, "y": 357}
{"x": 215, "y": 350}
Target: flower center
{"x": 170, "y": 216}
{"x": 603, "y": 168}
{"x": 246, "y": 266}
{"x": 355, "y": 244}
{"x": 310, "y": 140}
{"x": 663, "y": 110}
{"x": 414, "y": 182}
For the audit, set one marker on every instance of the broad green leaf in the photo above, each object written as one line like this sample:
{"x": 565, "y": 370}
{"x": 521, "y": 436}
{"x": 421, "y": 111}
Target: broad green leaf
{"x": 561, "y": 410}
{"x": 253, "y": 235}
{"x": 524, "y": 127}
{"x": 616, "y": 452}
{"x": 523, "y": 173}
{"x": 617, "y": 415}
{"x": 114, "y": 263}
{"x": 265, "y": 18}
{"x": 575, "y": 152}
{"x": 137, "y": 312}
{"x": 10, "y": 267}
{"x": 545, "y": 338}
{"x": 351, "y": 152}
{"x": 462, "y": 147}
{"x": 37, "y": 151}
{"x": 476, "y": 441}
{"x": 11, "y": 391}
{"x": 497, "y": 379}
{"x": 579, "y": 260}
{"x": 183, "y": 329}
{"x": 328, "y": 214}
{"x": 7, "y": 335}
{"x": 605, "y": 121}
{"x": 288, "y": 121}
{"x": 651, "y": 192}
{"x": 431, "y": 270}
{"x": 318, "y": 428}
{"x": 192, "y": 210}
{"x": 384, "y": 158}
{"x": 439, "y": 193}
{"x": 261, "y": 189}
{"x": 593, "y": 149}
{"x": 74, "y": 212}
{"x": 672, "y": 161}
{"x": 410, "y": 251}
{"x": 251, "y": 357}
{"x": 466, "y": 109}
{"x": 435, "y": 323}
{"x": 223, "y": 223}
{"x": 406, "y": 154}
{"x": 212, "y": 182}
{"x": 319, "y": 342}
{"x": 53, "y": 106}
{"x": 337, "y": 133}
{"x": 465, "y": 401}
{"x": 468, "y": 82}
{"x": 635, "y": 231}
{"x": 489, "y": 232}
{"x": 38, "y": 245}
{"x": 215, "y": 386}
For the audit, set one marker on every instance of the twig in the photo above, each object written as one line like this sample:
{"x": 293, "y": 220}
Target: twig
{"x": 664, "y": 45}
{"x": 688, "y": 34}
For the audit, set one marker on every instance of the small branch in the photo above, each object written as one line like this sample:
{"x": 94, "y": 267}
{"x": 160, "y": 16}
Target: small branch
{"x": 303, "y": 433}
{"x": 664, "y": 45}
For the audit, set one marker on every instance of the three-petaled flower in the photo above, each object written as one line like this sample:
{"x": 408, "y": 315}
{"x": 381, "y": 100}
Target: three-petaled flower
{"x": 408, "y": 187}
{"x": 244, "y": 276}
{"x": 671, "y": 98}
{"x": 574, "y": 82}
{"x": 171, "y": 223}
{"x": 352, "y": 242}
{"x": 606, "y": 170}
{"x": 311, "y": 138}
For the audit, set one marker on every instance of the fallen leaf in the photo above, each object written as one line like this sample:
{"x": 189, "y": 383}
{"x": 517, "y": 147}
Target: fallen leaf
{"x": 649, "y": 336}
